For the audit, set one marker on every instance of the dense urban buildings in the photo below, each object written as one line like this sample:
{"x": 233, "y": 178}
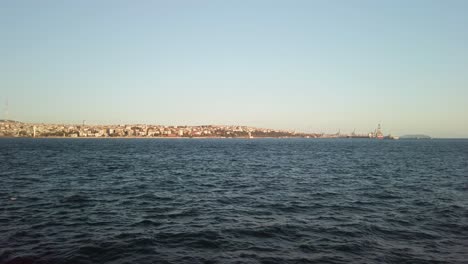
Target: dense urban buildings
{"x": 18, "y": 129}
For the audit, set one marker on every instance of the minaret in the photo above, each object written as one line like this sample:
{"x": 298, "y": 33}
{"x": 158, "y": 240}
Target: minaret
{"x": 34, "y": 131}
{"x": 6, "y": 111}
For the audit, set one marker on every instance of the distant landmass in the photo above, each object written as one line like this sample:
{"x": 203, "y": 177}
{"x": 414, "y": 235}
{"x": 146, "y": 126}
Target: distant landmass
{"x": 416, "y": 136}
{"x": 9, "y": 128}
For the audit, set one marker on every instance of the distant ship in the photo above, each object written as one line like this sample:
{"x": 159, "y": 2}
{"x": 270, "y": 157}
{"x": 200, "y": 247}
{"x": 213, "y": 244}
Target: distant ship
{"x": 392, "y": 137}
{"x": 354, "y": 135}
{"x": 378, "y": 133}
{"x": 358, "y": 136}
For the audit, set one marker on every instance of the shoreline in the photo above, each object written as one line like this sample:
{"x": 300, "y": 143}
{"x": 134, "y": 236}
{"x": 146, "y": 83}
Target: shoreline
{"x": 53, "y": 137}
{"x": 173, "y": 138}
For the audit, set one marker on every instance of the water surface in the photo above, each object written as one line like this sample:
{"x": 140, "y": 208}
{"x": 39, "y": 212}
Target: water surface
{"x": 233, "y": 201}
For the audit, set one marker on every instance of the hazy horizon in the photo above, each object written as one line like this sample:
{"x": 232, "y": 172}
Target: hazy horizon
{"x": 85, "y": 123}
{"x": 309, "y": 66}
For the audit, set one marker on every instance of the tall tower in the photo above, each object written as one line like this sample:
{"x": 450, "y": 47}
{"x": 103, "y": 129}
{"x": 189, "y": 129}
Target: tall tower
{"x": 6, "y": 111}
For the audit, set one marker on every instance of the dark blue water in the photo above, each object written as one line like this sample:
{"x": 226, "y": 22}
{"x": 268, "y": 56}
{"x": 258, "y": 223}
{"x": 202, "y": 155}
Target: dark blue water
{"x": 233, "y": 201}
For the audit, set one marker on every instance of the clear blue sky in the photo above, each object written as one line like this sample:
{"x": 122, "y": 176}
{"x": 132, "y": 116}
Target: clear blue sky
{"x": 304, "y": 65}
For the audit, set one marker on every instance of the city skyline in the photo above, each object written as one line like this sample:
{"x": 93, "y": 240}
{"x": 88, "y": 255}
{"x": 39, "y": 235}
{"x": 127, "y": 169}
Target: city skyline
{"x": 303, "y": 65}
{"x": 10, "y": 128}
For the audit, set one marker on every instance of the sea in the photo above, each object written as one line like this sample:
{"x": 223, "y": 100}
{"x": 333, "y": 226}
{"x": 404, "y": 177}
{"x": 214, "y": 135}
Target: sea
{"x": 233, "y": 201}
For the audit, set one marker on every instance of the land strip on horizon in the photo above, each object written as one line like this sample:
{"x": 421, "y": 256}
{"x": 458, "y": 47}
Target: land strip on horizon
{"x": 9, "y": 128}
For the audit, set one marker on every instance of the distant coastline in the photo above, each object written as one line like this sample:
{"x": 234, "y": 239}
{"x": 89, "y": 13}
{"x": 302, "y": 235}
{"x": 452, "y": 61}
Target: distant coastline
{"x": 37, "y": 130}
{"x": 15, "y": 129}
{"x": 416, "y": 136}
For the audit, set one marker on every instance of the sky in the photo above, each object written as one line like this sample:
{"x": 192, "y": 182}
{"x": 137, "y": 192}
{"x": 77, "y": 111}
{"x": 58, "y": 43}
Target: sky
{"x": 310, "y": 66}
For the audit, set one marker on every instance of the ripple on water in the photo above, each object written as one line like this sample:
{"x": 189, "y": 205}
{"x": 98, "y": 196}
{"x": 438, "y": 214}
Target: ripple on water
{"x": 233, "y": 201}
